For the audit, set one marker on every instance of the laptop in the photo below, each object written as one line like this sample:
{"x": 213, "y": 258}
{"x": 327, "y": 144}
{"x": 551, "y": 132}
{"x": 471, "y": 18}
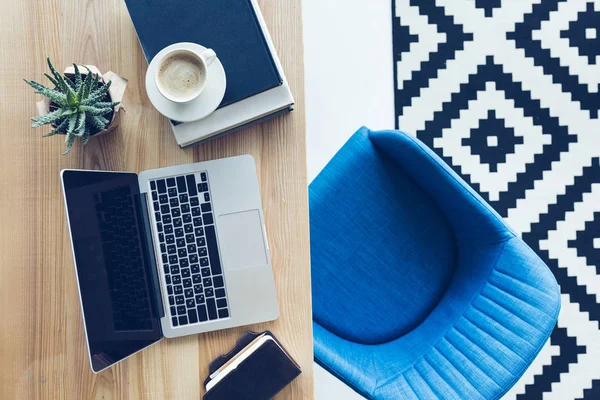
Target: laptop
{"x": 169, "y": 252}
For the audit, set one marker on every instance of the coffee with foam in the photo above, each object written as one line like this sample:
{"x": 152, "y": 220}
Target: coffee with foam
{"x": 181, "y": 75}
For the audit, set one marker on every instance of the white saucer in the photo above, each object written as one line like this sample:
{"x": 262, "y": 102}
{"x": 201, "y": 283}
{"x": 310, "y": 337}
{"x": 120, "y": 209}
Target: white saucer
{"x": 201, "y": 106}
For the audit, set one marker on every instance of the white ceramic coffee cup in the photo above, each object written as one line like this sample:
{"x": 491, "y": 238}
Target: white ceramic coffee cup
{"x": 204, "y": 59}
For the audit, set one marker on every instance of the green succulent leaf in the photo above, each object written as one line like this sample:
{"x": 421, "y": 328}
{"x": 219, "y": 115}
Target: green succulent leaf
{"x": 59, "y": 129}
{"x": 80, "y": 129}
{"x": 51, "y": 79}
{"x": 69, "y": 140}
{"x": 52, "y": 94}
{"x": 77, "y": 77}
{"x": 95, "y": 110}
{"x": 80, "y": 106}
{"x": 47, "y": 118}
{"x": 72, "y": 124}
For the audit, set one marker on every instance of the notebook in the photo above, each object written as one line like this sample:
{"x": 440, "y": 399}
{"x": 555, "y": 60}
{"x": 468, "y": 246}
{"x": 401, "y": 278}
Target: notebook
{"x": 256, "y": 369}
{"x": 235, "y": 29}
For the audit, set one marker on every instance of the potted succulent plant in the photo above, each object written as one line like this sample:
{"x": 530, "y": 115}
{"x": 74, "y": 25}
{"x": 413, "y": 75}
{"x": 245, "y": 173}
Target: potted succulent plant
{"x": 81, "y": 103}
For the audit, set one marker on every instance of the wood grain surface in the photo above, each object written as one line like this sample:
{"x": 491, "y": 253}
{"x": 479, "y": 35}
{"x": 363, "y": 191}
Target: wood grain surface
{"x": 42, "y": 345}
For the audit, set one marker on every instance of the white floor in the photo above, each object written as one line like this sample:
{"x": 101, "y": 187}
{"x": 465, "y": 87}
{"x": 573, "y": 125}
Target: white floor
{"x": 349, "y": 83}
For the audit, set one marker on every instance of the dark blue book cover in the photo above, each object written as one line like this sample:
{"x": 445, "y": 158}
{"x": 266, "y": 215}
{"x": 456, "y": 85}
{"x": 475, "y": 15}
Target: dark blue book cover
{"x": 229, "y": 27}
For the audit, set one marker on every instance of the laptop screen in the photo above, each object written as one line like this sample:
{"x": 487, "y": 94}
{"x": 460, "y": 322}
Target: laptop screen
{"x": 115, "y": 270}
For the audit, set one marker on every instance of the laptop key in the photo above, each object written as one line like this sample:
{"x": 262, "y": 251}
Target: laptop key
{"x": 174, "y": 269}
{"x": 196, "y": 211}
{"x": 202, "y": 251}
{"x": 172, "y": 192}
{"x": 183, "y": 320}
{"x": 203, "y": 176}
{"x": 191, "y": 181}
{"x": 175, "y": 321}
{"x": 174, "y": 202}
{"x": 170, "y": 182}
{"x": 189, "y": 303}
{"x": 205, "y": 271}
{"x": 219, "y": 293}
{"x": 179, "y": 300}
{"x": 202, "y": 313}
{"x": 170, "y": 289}
{"x": 168, "y": 228}
{"x": 170, "y": 239}
{"x": 190, "y": 238}
{"x": 200, "y": 242}
{"x": 195, "y": 268}
{"x": 189, "y": 228}
{"x": 171, "y": 249}
{"x": 156, "y": 206}
{"x": 196, "y": 278}
{"x": 194, "y": 201}
{"x": 154, "y": 196}
{"x": 178, "y": 289}
{"x": 208, "y": 292}
{"x": 163, "y": 248}
{"x": 181, "y": 310}
{"x": 179, "y": 232}
{"x": 176, "y": 222}
{"x": 193, "y": 258}
{"x": 164, "y": 209}
{"x": 171, "y": 300}
{"x": 223, "y": 313}
{"x": 208, "y": 219}
{"x": 180, "y": 242}
{"x": 173, "y": 310}
{"x": 200, "y": 298}
{"x": 191, "y": 248}
{"x": 153, "y": 185}
{"x": 197, "y": 221}
{"x": 188, "y": 293}
{"x": 204, "y": 262}
{"x": 221, "y": 303}
{"x": 163, "y": 198}
{"x": 166, "y": 219}
{"x": 218, "y": 281}
{"x": 172, "y": 259}
{"x": 212, "y": 309}
{"x": 185, "y": 208}
{"x": 175, "y": 212}
{"x": 199, "y": 232}
{"x": 203, "y": 187}
{"x": 207, "y": 282}
{"x": 213, "y": 252}
{"x": 184, "y": 263}
{"x": 183, "y": 198}
{"x": 181, "y": 184}
{"x": 206, "y": 207}
{"x": 185, "y": 273}
{"x": 206, "y": 197}
{"x": 182, "y": 252}
{"x": 162, "y": 188}
{"x": 192, "y": 316}
{"x": 165, "y": 258}
{"x": 159, "y": 226}
{"x": 187, "y": 218}
{"x": 187, "y": 283}
{"x": 198, "y": 288}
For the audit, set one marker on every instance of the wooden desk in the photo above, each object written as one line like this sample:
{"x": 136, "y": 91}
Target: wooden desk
{"x": 42, "y": 346}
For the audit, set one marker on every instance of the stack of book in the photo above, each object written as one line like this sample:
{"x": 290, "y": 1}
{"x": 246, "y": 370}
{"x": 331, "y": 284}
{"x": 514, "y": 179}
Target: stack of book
{"x": 235, "y": 29}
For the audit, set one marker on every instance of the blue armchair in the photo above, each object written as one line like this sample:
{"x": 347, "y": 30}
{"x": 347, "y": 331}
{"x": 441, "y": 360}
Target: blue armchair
{"x": 420, "y": 290}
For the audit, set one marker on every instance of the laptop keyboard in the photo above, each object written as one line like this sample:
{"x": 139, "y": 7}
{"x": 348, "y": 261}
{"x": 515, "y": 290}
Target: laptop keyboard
{"x": 193, "y": 274}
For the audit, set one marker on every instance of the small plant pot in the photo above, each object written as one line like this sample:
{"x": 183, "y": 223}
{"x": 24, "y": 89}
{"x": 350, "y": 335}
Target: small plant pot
{"x": 115, "y": 93}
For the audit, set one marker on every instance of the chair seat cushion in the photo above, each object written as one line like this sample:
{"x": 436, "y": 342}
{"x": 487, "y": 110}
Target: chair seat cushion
{"x": 382, "y": 251}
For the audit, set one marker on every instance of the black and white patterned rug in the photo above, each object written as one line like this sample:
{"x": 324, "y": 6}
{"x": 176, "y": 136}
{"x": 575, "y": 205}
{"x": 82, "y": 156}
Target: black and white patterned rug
{"x": 506, "y": 91}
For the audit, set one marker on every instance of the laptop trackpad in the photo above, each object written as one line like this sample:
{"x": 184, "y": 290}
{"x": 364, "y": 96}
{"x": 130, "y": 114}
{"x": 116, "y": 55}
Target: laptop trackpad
{"x": 241, "y": 239}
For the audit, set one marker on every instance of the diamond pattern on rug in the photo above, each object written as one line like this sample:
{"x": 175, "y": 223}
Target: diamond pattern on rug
{"x": 507, "y": 93}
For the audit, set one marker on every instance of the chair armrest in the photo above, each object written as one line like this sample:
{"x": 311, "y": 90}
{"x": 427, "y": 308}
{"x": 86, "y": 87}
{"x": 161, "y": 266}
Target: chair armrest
{"x": 471, "y": 218}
